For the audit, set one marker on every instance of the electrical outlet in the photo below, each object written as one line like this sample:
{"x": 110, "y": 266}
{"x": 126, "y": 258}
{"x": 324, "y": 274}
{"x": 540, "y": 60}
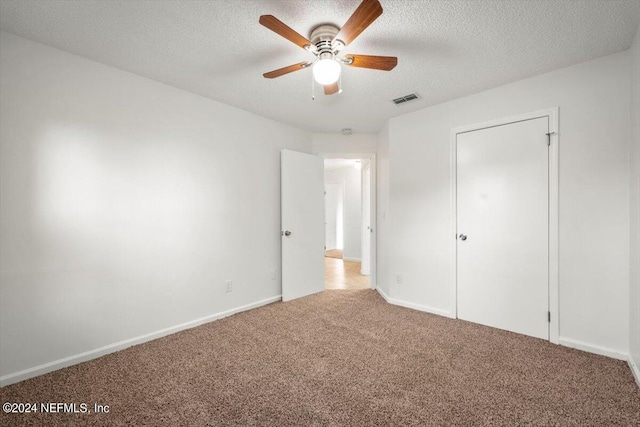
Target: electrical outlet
{"x": 274, "y": 273}
{"x": 229, "y": 286}
{"x": 398, "y": 279}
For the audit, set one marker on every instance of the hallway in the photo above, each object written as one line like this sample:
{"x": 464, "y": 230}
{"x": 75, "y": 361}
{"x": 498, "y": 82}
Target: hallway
{"x": 341, "y": 274}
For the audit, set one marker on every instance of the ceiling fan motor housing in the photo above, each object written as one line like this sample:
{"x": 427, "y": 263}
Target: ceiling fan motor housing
{"x": 322, "y": 37}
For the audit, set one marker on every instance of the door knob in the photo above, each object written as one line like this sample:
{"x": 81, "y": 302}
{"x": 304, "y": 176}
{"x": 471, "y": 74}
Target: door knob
{"x": 287, "y": 233}
{"x": 463, "y": 237}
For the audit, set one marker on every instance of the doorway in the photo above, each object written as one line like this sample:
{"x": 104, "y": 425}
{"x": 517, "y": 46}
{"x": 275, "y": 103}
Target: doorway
{"x": 347, "y": 223}
{"x": 504, "y": 193}
{"x": 303, "y": 230}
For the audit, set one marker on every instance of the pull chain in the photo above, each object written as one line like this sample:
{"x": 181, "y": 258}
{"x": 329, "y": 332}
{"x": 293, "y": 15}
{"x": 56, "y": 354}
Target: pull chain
{"x": 313, "y": 89}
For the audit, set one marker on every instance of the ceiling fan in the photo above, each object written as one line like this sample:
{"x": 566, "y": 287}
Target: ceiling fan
{"x": 326, "y": 42}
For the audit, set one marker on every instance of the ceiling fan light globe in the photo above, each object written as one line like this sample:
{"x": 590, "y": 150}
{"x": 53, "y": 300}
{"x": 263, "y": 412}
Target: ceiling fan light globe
{"x": 326, "y": 71}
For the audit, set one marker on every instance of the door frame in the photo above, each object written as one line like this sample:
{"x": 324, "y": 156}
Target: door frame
{"x": 372, "y": 201}
{"x": 552, "y": 114}
{"x": 365, "y": 174}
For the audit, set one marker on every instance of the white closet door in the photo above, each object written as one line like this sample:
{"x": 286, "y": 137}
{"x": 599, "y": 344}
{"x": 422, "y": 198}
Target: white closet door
{"x": 503, "y": 227}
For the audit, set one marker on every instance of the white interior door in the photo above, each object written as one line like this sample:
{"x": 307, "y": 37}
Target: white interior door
{"x": 302, "y": 206}
{"x": 333, "y": 206}
{"x": 503, "y": 227}
{"x": 365, "y": 266}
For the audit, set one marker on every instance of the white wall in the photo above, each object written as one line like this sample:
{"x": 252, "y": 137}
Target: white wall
{"x": 124, "y": 206}
{"x": 594, "y": 196}
{"x": 634, "y": 270}
{"x": 352, "y": 209}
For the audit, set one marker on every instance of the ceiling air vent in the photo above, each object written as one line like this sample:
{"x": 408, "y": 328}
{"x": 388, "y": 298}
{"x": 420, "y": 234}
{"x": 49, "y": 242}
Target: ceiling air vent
{"x": 406, "y": 98}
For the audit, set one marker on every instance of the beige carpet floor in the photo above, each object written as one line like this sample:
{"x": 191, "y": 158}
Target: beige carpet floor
{"x": 343, "y": 358}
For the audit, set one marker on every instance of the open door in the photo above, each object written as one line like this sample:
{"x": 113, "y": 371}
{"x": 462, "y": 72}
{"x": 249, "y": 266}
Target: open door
{"x": 303, "y": 233}
{"x": 334, "y": 215}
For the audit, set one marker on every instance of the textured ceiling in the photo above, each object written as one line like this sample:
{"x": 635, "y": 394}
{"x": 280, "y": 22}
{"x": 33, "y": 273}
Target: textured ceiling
{"x": 446, "y": 49}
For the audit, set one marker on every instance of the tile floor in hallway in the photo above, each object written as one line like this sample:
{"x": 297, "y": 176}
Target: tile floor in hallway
{"x": 341, "y": 274}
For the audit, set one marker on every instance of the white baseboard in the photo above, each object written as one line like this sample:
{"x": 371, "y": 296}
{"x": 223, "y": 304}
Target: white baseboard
{"x": 414, "y": 306}
{"x": 111, "y": 348}
{"x": 591, "y": 348}
{"x": 634, "y": 369}
{"x": 351, "y": 259}
{"x": 383, "y": 295}
{"x": 420, "y": 307}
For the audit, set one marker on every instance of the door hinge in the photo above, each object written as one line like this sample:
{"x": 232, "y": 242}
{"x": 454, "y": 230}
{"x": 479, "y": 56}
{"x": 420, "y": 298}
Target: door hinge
{"x": 549, "y": 138}
{"x": 549, "y": 316}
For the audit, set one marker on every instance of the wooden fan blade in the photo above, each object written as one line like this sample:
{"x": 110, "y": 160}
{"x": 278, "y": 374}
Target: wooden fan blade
{"x": 279, "y": 27}
{"x": 385, "y": 63}
{"x": 331, "y": 89}
{"x": 365, "y": 14}
{"x": 285, "y": 70}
